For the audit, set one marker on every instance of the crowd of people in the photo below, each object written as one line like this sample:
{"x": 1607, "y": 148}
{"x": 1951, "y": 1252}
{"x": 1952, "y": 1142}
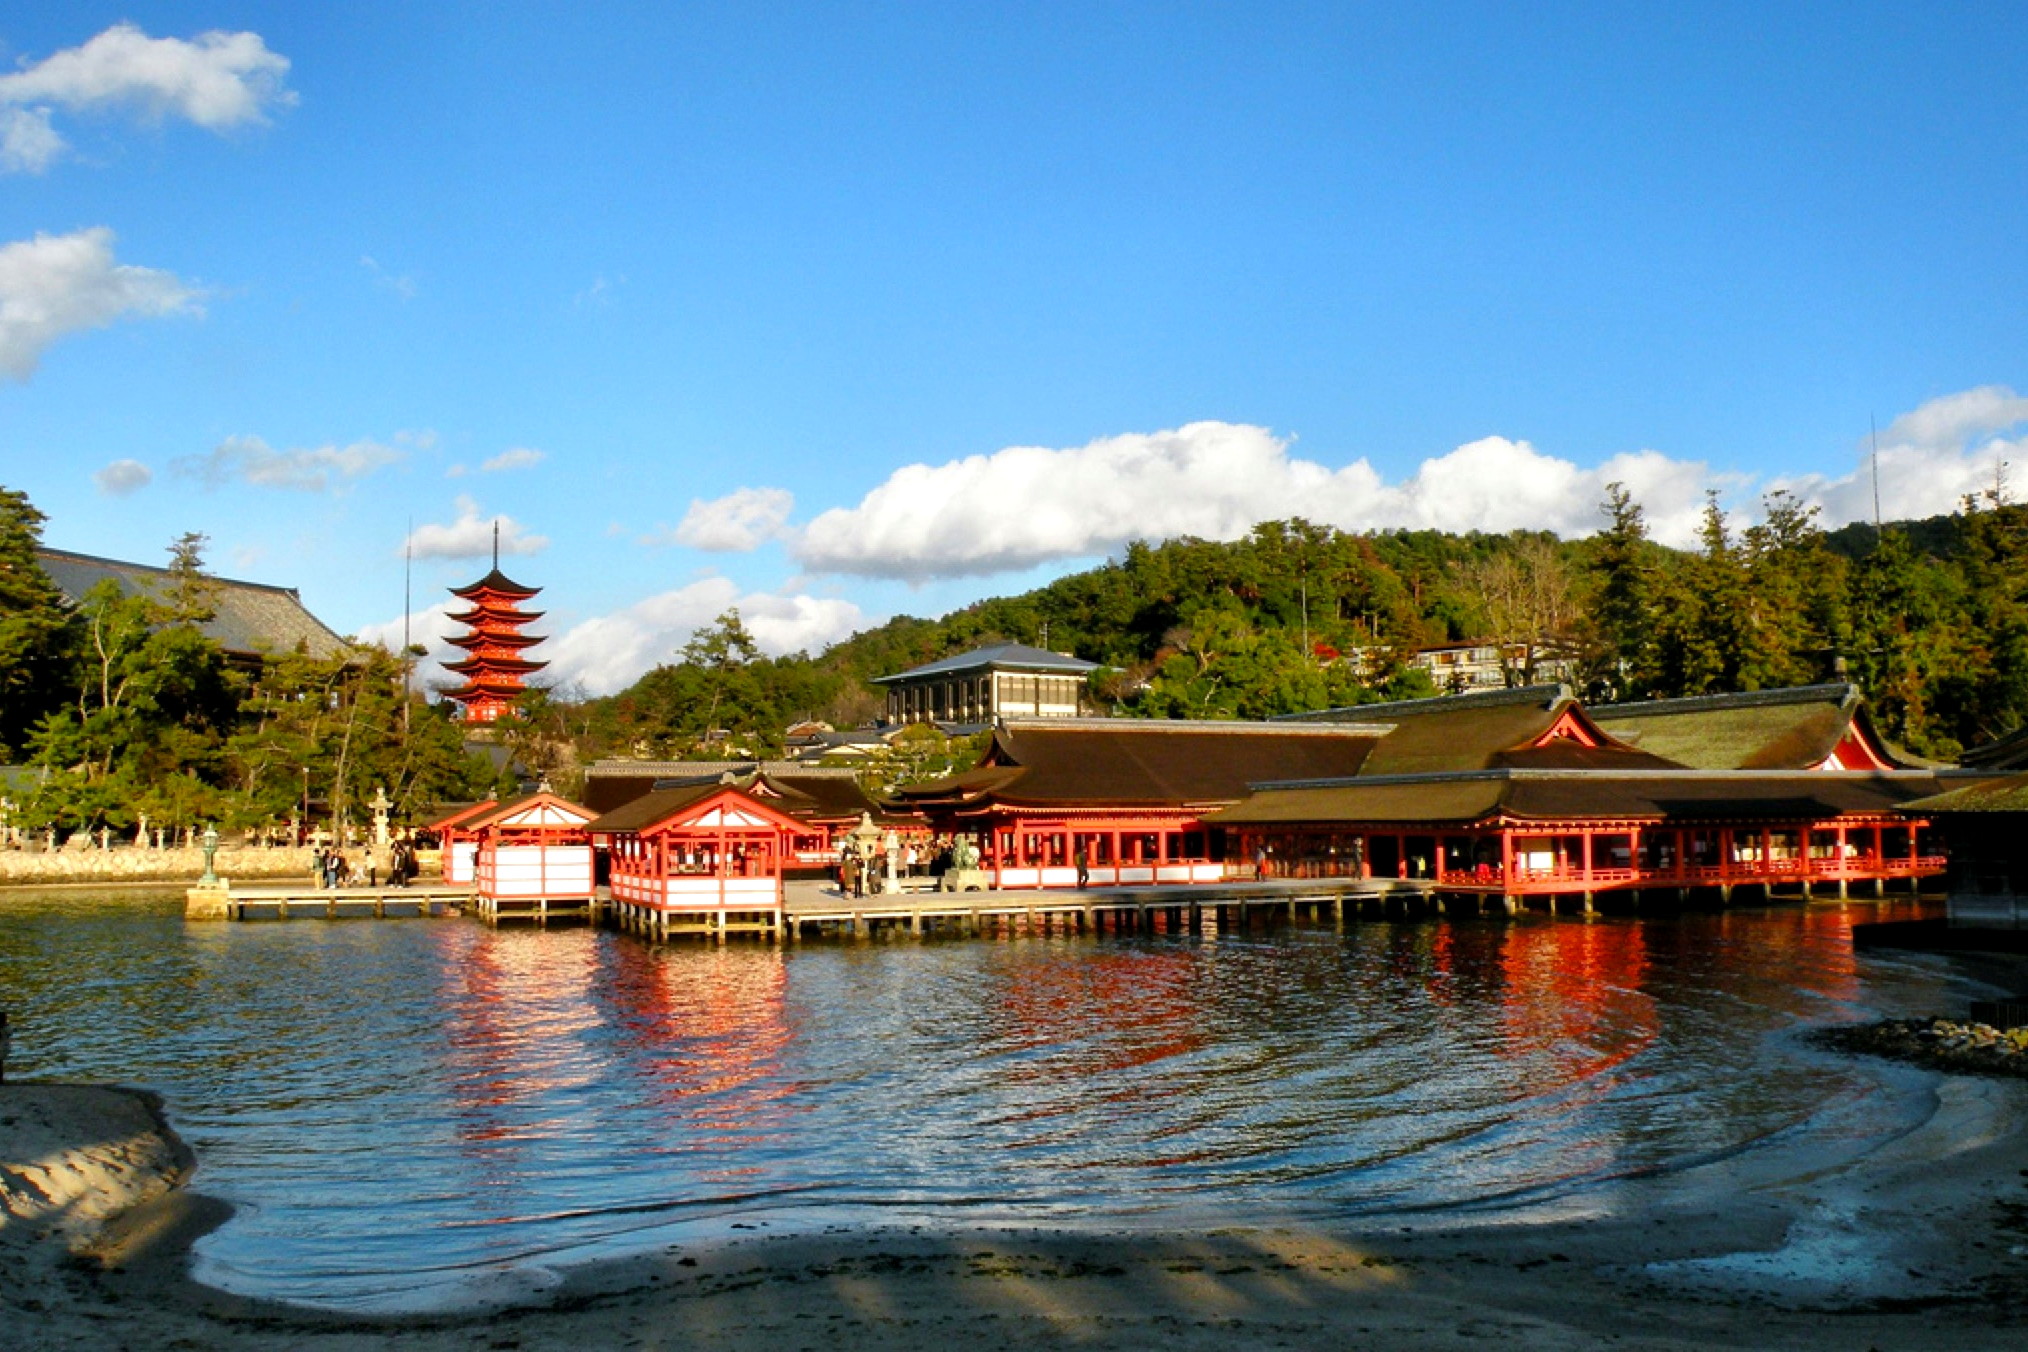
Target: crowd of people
{"x": 334, "y": 868}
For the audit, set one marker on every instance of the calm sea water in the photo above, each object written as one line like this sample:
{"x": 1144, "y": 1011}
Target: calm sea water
{"x": 404, "y": 1110}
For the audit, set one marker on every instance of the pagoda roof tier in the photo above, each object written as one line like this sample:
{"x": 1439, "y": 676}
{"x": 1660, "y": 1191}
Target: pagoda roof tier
{"x": 497, "y": 583}
{"x": 495, "y": 613}
{"x": 505, "y": 640}
{"x": 503, "y": 665}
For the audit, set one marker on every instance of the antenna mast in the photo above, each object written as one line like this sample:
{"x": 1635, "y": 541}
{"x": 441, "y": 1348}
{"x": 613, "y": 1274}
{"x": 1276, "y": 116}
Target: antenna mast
{"x": 1874, "y": 432}
{"x": 407, "y": 604}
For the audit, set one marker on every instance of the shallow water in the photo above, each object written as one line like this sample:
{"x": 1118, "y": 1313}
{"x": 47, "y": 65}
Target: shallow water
{"x": 405, "y": 1110}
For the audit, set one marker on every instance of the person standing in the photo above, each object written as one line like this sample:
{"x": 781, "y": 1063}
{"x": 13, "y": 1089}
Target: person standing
{"x": 1083, "y": 860}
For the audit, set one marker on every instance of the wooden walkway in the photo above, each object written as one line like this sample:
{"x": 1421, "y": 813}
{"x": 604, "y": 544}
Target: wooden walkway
{"x": 819, "y": 908}
{"x": 284, "y": 901}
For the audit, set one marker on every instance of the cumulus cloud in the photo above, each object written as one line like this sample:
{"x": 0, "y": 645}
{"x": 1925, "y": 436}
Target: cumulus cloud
{"x": 471, "y": 536}
{"x": 610, "y": 652}
{"x": 739, "y": 522}
{"x": 217, "y": 81}
{"x": 1931, "y": 458}
{"x": 308, "y": 469}
{"x": 56, "y": 285}
{"x": 122, "y": 477}
{"x": 1028, "y": 505}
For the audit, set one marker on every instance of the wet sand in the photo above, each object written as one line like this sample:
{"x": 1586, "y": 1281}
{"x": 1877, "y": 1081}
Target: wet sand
{"x": 1920, "y": 1242}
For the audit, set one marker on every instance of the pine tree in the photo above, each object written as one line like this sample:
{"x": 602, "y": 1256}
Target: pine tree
{"x": 36, "y": 628}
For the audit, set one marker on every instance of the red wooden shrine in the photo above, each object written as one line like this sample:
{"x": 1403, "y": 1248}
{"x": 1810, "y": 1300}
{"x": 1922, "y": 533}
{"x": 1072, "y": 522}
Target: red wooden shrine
{"x": 494, "y": 671}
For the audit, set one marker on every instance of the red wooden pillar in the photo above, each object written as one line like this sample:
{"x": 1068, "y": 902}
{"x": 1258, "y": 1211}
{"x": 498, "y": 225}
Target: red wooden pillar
{"x": 1586, "y": 837}
{"x": 1506, "y": 861}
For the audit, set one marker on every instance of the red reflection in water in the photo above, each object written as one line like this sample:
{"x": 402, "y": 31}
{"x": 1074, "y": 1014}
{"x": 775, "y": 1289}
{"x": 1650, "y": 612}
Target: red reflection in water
{"x": 1572, "y": 998}
{"x": 519, "y": 1011}
{"x": 706, "y": 1034}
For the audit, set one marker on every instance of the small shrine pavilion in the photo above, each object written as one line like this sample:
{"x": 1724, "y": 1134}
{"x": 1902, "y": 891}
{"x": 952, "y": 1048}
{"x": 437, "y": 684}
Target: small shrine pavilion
{"x": 534, "y": 858}
{"x": 700, "y": 858}
{"x": 458, "y": 842}
{"x": 494, "y": 671}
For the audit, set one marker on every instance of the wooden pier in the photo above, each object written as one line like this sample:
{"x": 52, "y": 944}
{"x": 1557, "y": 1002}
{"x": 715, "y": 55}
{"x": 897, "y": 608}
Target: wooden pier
{"x": 815, "y": 908}
{"x": 287, "y": 901}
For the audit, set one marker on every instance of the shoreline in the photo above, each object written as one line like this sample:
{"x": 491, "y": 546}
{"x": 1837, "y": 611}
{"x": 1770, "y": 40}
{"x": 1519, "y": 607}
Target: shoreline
{"x": 1921, "y": 1240}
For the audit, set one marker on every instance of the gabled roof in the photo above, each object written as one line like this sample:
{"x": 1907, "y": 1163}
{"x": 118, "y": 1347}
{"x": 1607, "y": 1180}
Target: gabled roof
{"x": 1797, "y": 728}
{"x": 1542, "y": 726}
{"x": 459, "y": 816}
{"x": 1683, "y": 797}
{"x": 534, "y": 811}
{"x": 252, "y": 619}
{"x": 1121, "y": 762}
{"x": 998, "y": 657}
{"x": 703, "y": 804}
{"x": 808, "y": 793}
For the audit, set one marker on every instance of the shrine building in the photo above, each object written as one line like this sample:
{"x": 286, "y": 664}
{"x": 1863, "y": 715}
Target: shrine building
{"x": 1007, "y": 680}
{"x": 1130, "y": 794}
{"x": 699, "y": 858}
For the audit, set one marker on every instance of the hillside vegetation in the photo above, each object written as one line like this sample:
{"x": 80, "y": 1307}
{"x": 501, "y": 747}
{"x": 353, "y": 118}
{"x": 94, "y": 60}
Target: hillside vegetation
{"x": 1930, "y": 617}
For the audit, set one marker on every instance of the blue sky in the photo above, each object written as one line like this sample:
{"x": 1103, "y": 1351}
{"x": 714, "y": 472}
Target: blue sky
{"x": 842, "y": 311}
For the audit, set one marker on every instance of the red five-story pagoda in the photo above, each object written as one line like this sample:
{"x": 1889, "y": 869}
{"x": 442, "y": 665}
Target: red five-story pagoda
{"x": 495, "y": 670}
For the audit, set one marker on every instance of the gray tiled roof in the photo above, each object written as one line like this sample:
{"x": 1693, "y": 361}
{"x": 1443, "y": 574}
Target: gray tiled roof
{"x": 252, "y": 617}
{"x": 1005, "y": 656}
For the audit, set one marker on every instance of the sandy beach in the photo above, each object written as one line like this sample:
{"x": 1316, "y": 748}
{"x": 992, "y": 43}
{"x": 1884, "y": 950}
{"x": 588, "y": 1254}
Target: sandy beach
{"x": 1920, "y": 1242}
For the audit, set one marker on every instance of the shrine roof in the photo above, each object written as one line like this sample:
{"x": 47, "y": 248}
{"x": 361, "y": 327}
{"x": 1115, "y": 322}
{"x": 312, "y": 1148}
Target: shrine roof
{"x": 502, "y": 664}
{"x": 810, "y": 793}
{"x": 497, "y": 812}
{"x": 2008, "y": 794}
{"x": 1796, "y": 728}
{"x": 654, "y": 808}
{"x": 251, "y": 618}
{"x": 1682, "y": 797}
{"x": 496, "y": 582}
{"x": 2005, "y": 753}
{"x": 1487, "y": 730}
{"x": 1122, "y": 761}
{"x": 998, "y": 657}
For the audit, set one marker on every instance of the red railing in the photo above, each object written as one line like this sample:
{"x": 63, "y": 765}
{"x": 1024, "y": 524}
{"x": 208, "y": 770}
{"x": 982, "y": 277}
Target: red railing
{"x": 1739, "y": 871}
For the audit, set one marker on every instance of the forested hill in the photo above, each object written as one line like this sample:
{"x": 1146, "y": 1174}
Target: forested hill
{"x": 1930, "y": 617}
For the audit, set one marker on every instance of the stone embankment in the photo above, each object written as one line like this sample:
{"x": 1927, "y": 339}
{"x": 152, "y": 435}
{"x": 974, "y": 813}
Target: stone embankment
{"x": 1942, "y": 1044}
{"x": 22, "y": 868}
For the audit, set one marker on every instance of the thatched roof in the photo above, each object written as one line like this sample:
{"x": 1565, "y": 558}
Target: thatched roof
{"x": 1680, "y": 796}
{"x": 1799, "y": 728}
{"x": 1122, "y": 762}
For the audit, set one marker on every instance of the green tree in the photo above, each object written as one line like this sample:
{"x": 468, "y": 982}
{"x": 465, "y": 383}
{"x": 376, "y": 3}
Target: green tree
{"x": 36, "y": 629}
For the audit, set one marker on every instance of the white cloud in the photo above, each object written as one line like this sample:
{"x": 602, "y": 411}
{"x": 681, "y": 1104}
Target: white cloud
{"x": 315, "y": 469}
{"x": 28, "y": 144}
{"x": 123, "y": 477}
{"x": 1029, "y": 505}
{"x": 470, "y": 536}
{"x": 56, "y": 285}
{"x": 1930, "y": 458}
{"x": 611, "y": 652}
{"x": 741, "y": 521}
{"x": 514, "y": 457}
{"x": 217, "y": 80}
